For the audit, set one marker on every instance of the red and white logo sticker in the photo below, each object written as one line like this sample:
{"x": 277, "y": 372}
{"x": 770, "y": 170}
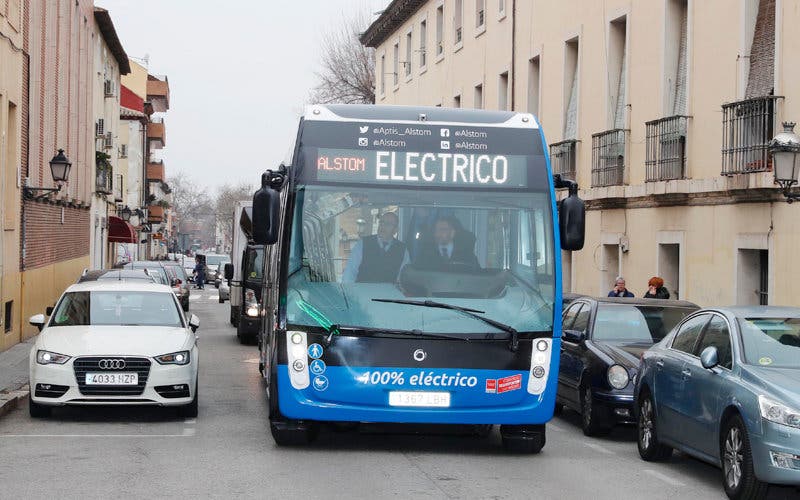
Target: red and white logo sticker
{"x": 507, "y": 384}
{"x": 491, "y": 385}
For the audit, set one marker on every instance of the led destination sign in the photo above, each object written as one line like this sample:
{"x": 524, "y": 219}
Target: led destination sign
{"x": 421, "y": 168}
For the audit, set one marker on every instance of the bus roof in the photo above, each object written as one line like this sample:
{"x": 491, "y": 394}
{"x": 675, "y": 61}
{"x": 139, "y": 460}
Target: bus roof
{"x": 418, "y": 114}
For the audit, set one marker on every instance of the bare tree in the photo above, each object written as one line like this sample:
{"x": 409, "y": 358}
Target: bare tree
{"x": 227, "y": 196}
{"x": 193, "y": 206}
{"x": 348, "y": 67}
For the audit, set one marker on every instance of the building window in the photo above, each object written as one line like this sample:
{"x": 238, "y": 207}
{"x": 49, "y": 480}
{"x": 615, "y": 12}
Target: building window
{"x": 396, "y": 65}
{"x": 480, "y": 13}
{"x": 666, "y": 149}
{"x": 383, "y": 74}
{"x": 478, "y": 101}
{"x": 534, "y": 81}
{"x": 747, "y": 128}
{"x": 676, "y": 56}
{"x": 7, "y": 316}
{"x": 457, "y": 101}
{"x": 440, "y": 30}
{"x": 502, "y": 92}
{"x": 571, "y": 52}
{"x": 458, "y": 22}
{"x": 617, "y": 71}
{"x": 562, "y": 158}
{"x": 409, "y": 51}
{"x": 608, "y": 158}
{"x": 423, "y": 40}
{"x": 502, "y": 8}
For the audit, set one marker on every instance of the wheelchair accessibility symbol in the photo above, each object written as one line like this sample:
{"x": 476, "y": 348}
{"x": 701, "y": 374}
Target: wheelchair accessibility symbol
{"x": 317, "y": 367}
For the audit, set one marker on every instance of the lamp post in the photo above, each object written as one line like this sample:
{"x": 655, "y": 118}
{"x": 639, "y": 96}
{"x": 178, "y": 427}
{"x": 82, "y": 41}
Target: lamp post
{"x": 785, "y": 150}
{"x": 59, "y": 169}
{"x": 126, "y": 213}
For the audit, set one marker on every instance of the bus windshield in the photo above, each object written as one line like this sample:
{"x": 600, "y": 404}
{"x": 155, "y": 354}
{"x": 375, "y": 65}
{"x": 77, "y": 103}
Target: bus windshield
{"x": 491, "y": 251}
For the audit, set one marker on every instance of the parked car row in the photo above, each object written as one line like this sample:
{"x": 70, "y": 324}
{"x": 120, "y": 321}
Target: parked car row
{"x": 719, "y": 384}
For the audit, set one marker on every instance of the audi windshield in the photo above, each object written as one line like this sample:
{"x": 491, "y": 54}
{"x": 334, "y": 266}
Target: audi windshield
{"x": 126, "y": 308}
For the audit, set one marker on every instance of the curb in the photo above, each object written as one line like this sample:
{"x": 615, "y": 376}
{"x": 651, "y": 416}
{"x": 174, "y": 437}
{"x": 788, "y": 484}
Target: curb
{"x": 9, "y": 400}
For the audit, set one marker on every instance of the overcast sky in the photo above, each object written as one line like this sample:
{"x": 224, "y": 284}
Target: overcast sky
{"x": 239, "y": 75}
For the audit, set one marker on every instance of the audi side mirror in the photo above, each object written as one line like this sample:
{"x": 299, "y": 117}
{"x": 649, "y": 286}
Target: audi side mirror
{"x": 709, "y": 358}
{"x": 194, "y": 323}
{"x": 38, "y": 321}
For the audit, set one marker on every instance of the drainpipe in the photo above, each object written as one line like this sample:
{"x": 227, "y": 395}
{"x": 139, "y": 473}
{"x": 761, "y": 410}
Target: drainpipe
{"x": 513, "y": 53}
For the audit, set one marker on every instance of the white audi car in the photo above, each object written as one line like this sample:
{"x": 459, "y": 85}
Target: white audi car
{"x": 115, "y": 343}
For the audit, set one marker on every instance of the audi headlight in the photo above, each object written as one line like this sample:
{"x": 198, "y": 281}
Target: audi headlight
{"x": 175, "y": 358}
{"x": 50, "y": 358}
{"x": 618, "y": 377}
{"x": 778, "y": 413}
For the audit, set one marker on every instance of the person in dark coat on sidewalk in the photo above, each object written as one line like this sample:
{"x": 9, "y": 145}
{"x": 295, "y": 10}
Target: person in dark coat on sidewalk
{"x": 199, "y": 273}
{"x": 656, "y": 289}
{"x": 619, "y": 289}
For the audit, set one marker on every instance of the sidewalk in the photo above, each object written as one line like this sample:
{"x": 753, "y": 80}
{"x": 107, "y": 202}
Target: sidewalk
{"x": 14, "y": 376}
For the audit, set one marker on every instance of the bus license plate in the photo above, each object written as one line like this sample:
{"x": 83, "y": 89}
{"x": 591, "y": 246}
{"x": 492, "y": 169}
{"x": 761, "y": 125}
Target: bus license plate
{"x": 420, "y": 399}
{"x": 121, "y": 378}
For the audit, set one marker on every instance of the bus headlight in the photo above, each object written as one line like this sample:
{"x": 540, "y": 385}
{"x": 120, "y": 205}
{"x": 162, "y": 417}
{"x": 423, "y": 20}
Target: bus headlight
{"x": 297, "y": 358}
{"x": 618, "y": 377}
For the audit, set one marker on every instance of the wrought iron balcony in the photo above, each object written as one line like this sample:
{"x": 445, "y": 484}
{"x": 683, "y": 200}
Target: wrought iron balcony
{"x": 103, "y": 180}
{"x": 608, "y": 157}
{"x": 666, "y": 149}
{"x": 747, "y": 128}
{"x": 562, "y": 158}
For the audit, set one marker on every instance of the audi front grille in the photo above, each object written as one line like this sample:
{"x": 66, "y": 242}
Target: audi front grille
{"x": 139, "y": 365}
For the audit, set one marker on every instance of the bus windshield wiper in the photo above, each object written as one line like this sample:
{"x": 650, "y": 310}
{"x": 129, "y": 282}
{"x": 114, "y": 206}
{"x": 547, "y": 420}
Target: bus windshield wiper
{"x": 513, "y": 335}
{"x": 415, "y": 332}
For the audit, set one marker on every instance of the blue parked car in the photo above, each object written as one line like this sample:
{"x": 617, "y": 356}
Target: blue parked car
{"x": 724, "y": 386}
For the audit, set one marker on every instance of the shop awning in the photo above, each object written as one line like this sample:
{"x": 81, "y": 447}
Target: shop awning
{"x": 120, "y": 231}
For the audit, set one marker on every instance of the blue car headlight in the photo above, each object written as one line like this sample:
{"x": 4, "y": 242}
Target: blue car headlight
{"x": 778, "y": 413}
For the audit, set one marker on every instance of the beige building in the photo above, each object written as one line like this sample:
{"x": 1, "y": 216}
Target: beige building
{"x": 11, "y": 100}
{"x": 660, "y": 109}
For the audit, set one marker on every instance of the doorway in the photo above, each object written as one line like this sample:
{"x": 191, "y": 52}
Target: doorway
{"x": 752, "y": 273}
{"x": 669, "y": 265}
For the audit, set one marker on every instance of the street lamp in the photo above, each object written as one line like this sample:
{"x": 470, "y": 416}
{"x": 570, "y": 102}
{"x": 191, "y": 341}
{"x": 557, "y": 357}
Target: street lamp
{"x": 126, "y": 213}
{"x": 59, "y": 169}
{"x": 785, "y": 149}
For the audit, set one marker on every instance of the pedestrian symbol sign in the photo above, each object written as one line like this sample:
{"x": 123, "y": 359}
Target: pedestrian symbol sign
{"x": 317, "y": 367}
{"x": 320, "y": 383}
{"x": 315, "y": 351}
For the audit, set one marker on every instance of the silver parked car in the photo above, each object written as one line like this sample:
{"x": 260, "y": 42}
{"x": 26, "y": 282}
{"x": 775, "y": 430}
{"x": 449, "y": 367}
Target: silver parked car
{"x": 724, "y": 386}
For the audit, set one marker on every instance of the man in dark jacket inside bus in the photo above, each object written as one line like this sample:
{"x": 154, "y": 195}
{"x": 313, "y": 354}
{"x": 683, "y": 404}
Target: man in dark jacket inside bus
{"x": 377, "y": 258}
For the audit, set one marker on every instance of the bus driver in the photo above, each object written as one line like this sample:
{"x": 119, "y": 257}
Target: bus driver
{"x": 377, "y": 258}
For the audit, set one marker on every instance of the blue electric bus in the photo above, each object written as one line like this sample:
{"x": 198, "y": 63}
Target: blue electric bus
{"x": 413, "y": 272}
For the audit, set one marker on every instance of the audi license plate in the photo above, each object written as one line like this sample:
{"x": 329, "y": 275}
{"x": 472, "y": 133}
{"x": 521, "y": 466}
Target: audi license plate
{"x": 419, "y": 399}
{"x": 120, "y": 378}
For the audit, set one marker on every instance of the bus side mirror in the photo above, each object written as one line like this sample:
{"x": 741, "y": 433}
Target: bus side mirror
{"x": 228, "y": 272}
{"x": 571, "y": 216}
{"x": 266, "y": 208}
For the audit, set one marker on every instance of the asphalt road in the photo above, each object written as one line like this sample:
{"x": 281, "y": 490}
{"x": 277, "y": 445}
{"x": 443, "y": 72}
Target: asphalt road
{"x": 227, "y": 452}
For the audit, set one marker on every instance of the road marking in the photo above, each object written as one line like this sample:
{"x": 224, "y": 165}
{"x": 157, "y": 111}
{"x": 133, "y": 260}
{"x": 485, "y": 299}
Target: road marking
{"x": 194, "y": 297}
{"x": 664, "y": 477}
{"x": 213, "y": 297}
{"x": 190, "y": 421}
{"x": 186, "y": 433}
{"x": 601, "y": 449}
{"x": 252, "y": 360}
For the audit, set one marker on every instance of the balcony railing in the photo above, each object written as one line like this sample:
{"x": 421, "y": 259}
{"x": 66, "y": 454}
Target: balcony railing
{"x": 155, "y": 213}
{"x": 103, "y": 180}
{"x": 747, "y": 128}
{"x": 562, "y": 158}
{"x": 608, "y": 157}
{"x": 666, "y": 149}
{"x": 155, "y": 172}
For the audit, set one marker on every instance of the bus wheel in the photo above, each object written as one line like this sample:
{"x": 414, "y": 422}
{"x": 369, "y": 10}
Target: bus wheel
{"x": 292, "y": 432}
{"x": 528, "y": 439}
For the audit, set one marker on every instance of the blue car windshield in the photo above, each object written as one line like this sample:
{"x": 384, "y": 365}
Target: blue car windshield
{"x": 491, "y": 251}
{"x": 771, "y": 342}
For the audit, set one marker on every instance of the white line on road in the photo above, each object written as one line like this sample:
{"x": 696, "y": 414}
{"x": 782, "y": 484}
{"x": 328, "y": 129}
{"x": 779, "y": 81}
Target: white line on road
{"x": 213, "y": 297}
{"x": 188, "y": 432}
{"x": 597, "y": 447}
{"x": 190, "y": 421}
{"x": 664, "y": 477}
{"x": 194, "y": 297}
